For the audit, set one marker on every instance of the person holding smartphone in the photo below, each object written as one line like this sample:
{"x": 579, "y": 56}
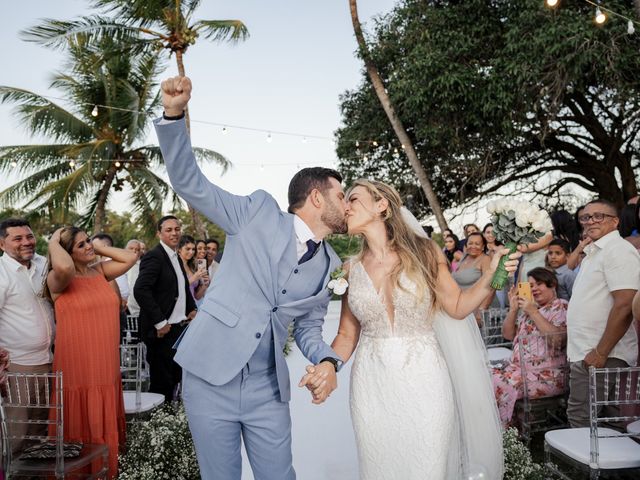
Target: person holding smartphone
{"x": 534, "y": 309}
{"x": 198, "y": 276}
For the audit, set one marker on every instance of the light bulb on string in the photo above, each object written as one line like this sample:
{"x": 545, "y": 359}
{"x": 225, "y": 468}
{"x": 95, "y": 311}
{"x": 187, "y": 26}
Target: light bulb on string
{"x": 333, "y": 142}
{"x": 94, "y": 112}
{"x": 375, "y": 144}
{"x": 600, "y": 16}
{"x": 225, "y": 130}
{"x": 365, "y": 158}
{"x": 14, "y": 164}
{"x": 117, "y": 164}
{"x": 631, "y": 29}
{"x": 262, "y": 167}
{"x": 357, "y": 143}
{"x": 304, "y": 139}
{"x": 552, "y": 3}
{"x": 72, "y": 164}
{"x": 269, "y": 139}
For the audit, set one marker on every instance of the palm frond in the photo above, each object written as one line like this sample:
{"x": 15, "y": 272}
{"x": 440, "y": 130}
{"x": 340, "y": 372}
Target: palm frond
{"x": 149, "y": 192}
{"x": 205, "y": 155}
{"x": 135, "y": 12}
{"x": 222, "y": 30}
{"x": 43, "y": 117}
{"x": 88, "y": 30}
{"x": 30, "y": 158}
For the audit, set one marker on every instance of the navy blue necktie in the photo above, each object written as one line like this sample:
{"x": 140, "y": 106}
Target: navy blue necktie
{"x": 311, "y": 250}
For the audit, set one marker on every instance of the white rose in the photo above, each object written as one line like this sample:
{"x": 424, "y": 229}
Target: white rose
{"x": 340, "y": 286}
{"x": 541, "y": 222}
{"x": 491, "y": 207}
{"x": 502, "y": 205}
{"x": 525, "y": 215}
{"x": 331, "y": 285}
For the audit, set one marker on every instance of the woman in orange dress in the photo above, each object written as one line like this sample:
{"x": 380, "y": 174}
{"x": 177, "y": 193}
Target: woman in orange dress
{"x": 87, "y": 338}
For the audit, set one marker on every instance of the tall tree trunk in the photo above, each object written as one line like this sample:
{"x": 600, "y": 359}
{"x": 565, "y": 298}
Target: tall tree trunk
{"x": 396, "y": 123}
{"x": 103, "y": 193}
{"x": 195, "y": 218}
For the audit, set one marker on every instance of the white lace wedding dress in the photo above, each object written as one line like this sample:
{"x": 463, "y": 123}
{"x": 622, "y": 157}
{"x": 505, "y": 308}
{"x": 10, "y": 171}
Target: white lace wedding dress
{"x": 403, "y": 405}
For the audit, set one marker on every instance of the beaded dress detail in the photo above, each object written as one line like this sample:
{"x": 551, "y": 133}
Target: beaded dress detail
{"x": 402, "y": 405}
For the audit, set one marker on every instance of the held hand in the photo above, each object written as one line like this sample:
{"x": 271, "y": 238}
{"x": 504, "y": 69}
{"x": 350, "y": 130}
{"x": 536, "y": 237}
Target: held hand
{"x": 513, "y": 298}
{"x": 176, "y": 92}
{"x": 510, "y": 265}
{"x": 527, "y": 306}
{"x": 164, "y": 330}
{"x": 320, "y": 380}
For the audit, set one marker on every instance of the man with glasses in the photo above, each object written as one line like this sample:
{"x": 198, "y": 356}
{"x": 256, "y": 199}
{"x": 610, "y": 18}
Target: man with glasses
{"x": 599, "y": 320}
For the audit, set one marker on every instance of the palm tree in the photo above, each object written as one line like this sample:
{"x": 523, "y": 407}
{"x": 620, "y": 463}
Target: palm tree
{"x": 166, "y": 24}
{"x": 93, "y": 150}
{"x": 394, "y": 120}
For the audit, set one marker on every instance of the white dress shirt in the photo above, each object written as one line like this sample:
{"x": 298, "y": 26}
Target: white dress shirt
{"x": 26, "y": 317}
{"x": 132, "y": 276}
{"x": 303, "y": 234}
{"x": 611, "y": 264}
{"x": 178, "y": 313}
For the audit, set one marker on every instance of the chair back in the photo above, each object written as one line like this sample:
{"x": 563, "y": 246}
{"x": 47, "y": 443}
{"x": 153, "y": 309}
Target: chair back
{"x": 32, "y": 391}
{"x": 131, "y": 367}
{"x": 492, "y": 320}
{"x": 131, "y": 333}
{"x": 621, "y": 388}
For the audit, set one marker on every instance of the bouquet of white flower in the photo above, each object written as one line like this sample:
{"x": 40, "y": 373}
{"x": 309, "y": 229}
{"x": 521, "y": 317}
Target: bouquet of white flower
{"x": 514, "y": 223}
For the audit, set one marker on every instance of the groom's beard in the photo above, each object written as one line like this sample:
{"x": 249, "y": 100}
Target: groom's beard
{"x": 334, "y": 219}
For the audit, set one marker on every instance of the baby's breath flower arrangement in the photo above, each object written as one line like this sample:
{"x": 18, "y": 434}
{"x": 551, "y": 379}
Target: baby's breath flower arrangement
{"x": 160, "y": 448}
{"x": 514, "y": 223}
{"x": 518, "y": 464}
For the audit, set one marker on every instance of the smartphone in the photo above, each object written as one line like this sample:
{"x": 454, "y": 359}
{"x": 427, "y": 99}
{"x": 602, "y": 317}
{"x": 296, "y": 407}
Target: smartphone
{"x": 202, "y": 263}
{"x": 524, "y": 290}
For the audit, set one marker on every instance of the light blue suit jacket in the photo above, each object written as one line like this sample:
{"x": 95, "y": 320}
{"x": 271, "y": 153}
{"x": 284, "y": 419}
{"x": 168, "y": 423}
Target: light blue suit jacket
{"x": 258, "y": 283}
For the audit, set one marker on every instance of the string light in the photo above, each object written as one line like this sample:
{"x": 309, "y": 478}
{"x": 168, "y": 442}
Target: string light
{"x": 14, "y": 164}
{"x": 269, "y": 139}
{"x": 630, "y": 28}
{"x": 117, "y": 164}
{"x": 94, "y": 112}
{"x": 72, "y": 164}
{"x": 375, "y": 144}
{"x": 600, "y": 16}
{"x": 304, "y": 139}
{"x": 552, "y": 3}
{"x": 224, "y": 130}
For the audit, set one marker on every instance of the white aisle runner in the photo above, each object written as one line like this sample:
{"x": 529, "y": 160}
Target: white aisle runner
{"x": 323, "y": 443}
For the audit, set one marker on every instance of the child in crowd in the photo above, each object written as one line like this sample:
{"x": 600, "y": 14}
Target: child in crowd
{"x": 557, "y": 255}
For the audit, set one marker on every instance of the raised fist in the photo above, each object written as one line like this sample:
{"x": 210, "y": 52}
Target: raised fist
{"x": 176, "y": 92}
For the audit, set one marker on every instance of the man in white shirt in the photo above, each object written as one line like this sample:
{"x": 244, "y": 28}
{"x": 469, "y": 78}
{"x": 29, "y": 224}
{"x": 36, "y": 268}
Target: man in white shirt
{"x": 599, "y": 320}
{"x": 26, "y": 317}
{"x": 212, "y": 251}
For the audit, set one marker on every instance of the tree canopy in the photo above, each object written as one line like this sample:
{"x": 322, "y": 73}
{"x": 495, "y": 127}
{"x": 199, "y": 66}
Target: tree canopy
{"x": 498, "y": 92}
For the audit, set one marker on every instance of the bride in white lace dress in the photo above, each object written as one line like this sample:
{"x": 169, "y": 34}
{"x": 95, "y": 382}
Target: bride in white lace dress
{"x": 422, "y": 403}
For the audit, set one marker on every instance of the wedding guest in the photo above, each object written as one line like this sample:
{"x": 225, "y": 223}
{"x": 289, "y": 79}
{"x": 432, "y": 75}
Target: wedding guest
{"x": 26, "y": 318}
{"x": 629, "y": 224}
{"x": 213, "y": 246}
{"x": 166, "y": 306}
{"x": 452, "y": 252}
{"x": 198, "y": 278}
{"x": 545, "y": 314}
{"x": 490, "y": 238}
{"x": 201, "y": 250}
{"x": 557, "y": 256}
{"x": 599, "y": 318}
{"x": 472, "y": 266}
{"x": 88, "y": 338}
{"x": 564, "y": 227}
{"x": 468, "y": 229}
{"x": 143, "y": 249}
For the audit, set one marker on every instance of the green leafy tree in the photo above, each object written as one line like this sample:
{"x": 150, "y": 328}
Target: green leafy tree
{"x": 91, "y": 152}
{"x": 500, "y": 93}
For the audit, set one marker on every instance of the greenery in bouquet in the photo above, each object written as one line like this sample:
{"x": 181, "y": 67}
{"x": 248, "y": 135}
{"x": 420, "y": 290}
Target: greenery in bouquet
{"x": 160, "y": 448}
{"x": 518, "y": 463}
{"x": 515, "y": 223}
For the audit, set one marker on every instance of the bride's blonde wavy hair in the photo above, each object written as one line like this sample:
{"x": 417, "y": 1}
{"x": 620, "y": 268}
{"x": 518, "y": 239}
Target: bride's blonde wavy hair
{"x": 418, "y": 255}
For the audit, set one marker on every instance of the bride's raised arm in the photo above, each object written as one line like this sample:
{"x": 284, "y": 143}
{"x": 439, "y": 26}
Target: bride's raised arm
{"x": 459, "y": 303}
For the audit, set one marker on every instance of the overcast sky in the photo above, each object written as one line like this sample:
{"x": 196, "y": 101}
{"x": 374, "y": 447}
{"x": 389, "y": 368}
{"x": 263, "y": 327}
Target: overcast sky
{"x": 286, "y": 77}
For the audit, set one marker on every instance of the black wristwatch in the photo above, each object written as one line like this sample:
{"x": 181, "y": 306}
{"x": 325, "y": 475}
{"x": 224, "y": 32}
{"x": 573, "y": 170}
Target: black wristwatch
{"x": 332, "y": 361}
{"x": 175, "y": 117}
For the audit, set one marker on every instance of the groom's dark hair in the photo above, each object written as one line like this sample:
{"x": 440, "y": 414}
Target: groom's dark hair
{"x": 306, "y": 180}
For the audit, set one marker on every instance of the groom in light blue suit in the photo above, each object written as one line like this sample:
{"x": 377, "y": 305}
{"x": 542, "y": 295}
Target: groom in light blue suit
{"x": 274, "y": 271}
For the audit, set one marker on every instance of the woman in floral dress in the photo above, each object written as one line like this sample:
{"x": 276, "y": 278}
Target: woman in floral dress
{"x": 544, "y": 315}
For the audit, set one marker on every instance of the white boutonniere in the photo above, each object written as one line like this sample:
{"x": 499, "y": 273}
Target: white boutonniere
{"x": 338, "y": 284}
